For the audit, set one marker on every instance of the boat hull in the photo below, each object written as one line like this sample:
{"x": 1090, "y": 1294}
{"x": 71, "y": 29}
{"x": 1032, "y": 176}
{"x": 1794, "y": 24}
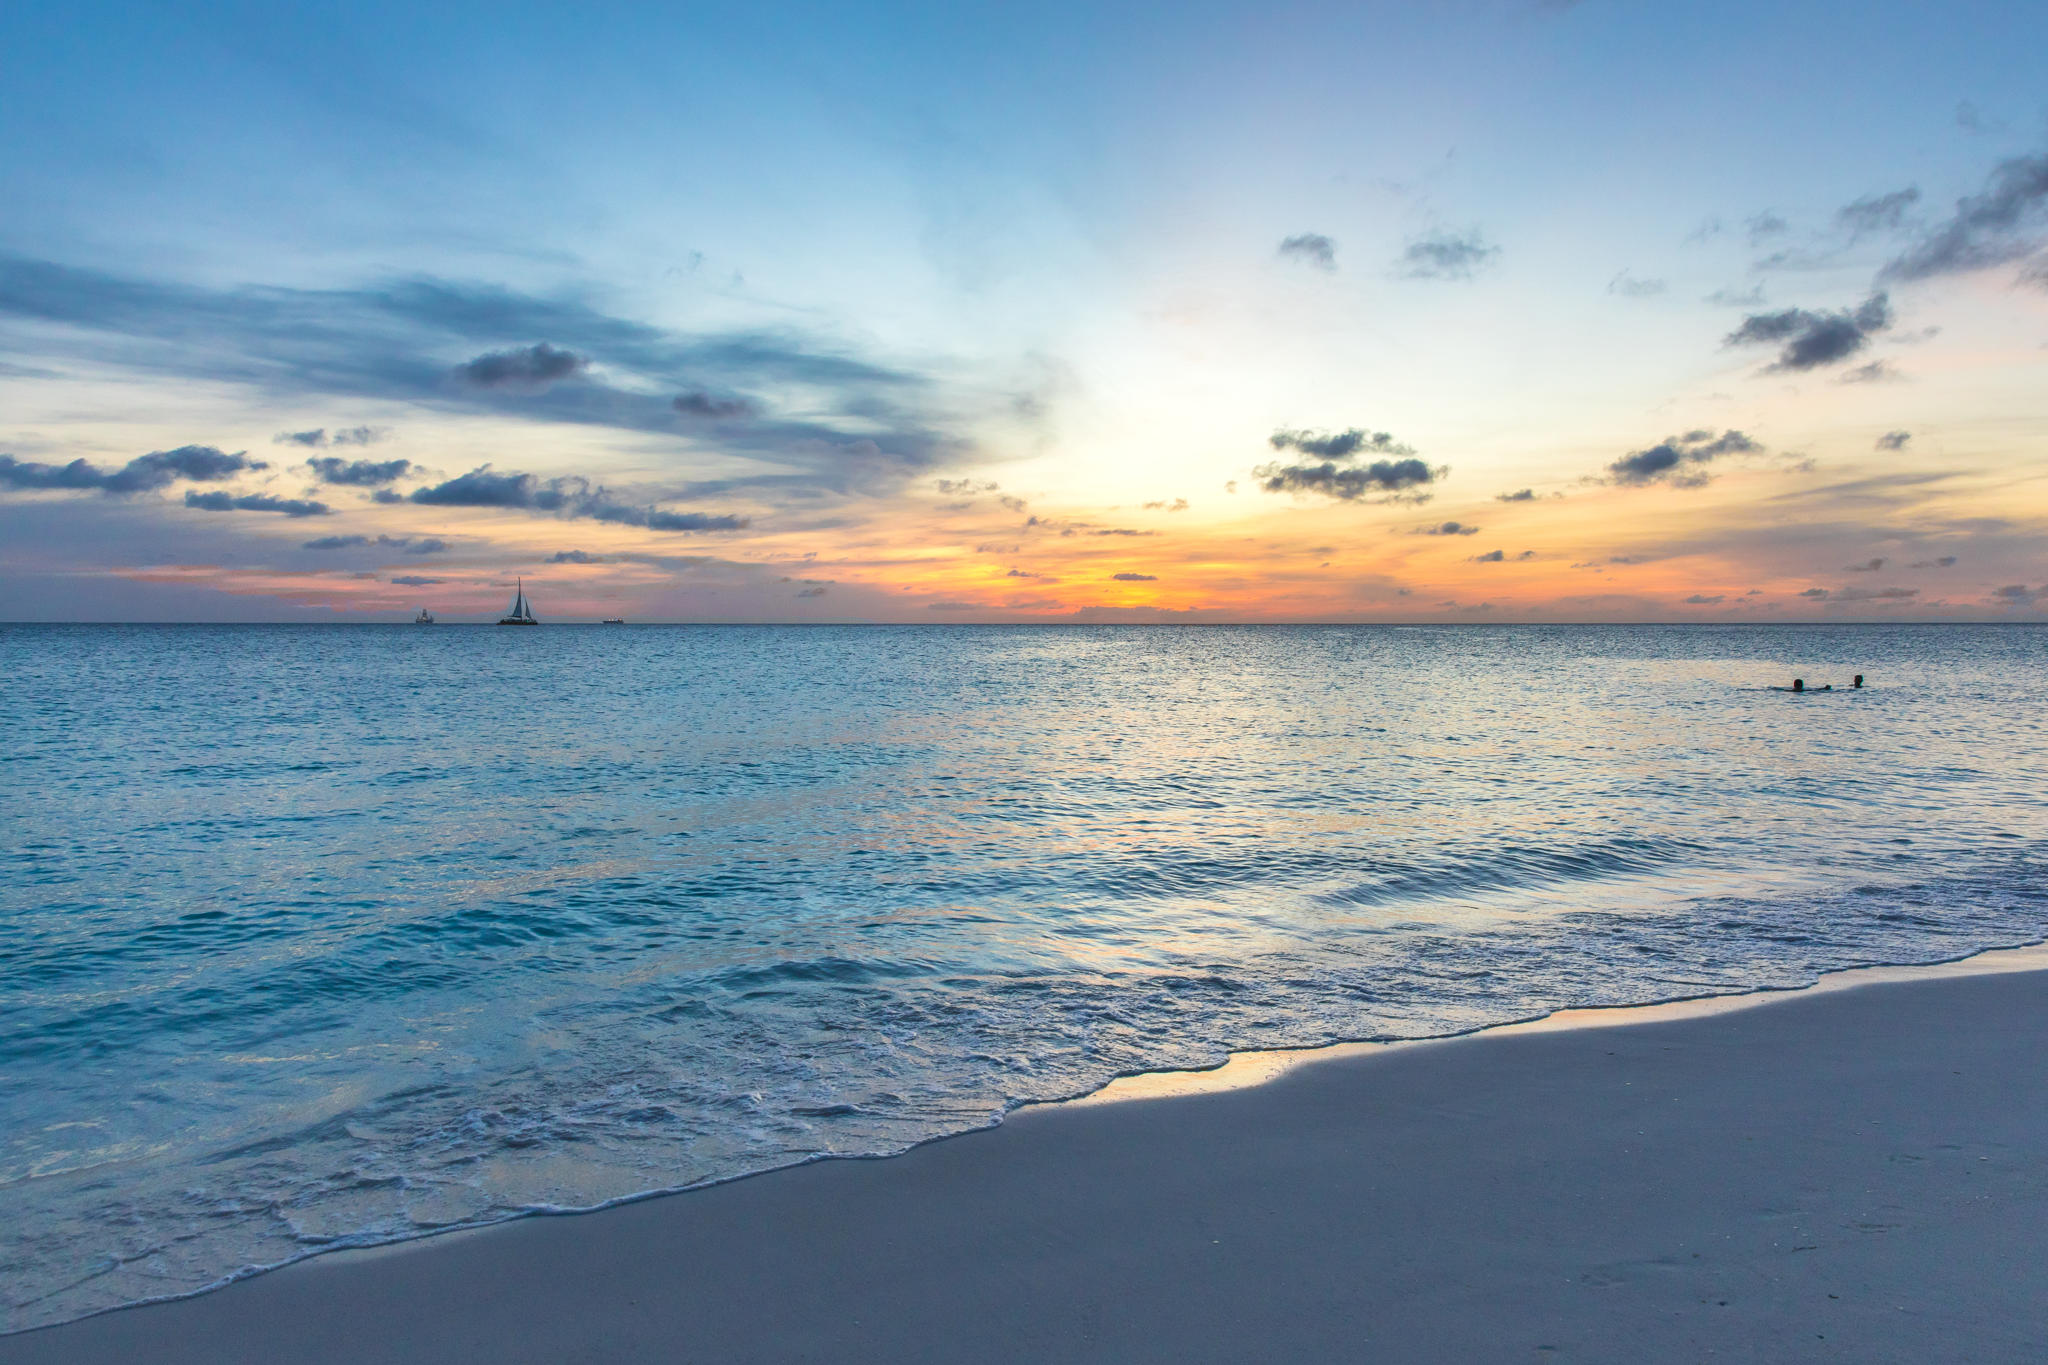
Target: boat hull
{"x": 517, "y": 621}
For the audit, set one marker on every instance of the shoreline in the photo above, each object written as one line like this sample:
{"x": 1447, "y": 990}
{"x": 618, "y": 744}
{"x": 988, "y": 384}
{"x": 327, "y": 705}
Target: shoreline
{"x": 1260, "y": 1091}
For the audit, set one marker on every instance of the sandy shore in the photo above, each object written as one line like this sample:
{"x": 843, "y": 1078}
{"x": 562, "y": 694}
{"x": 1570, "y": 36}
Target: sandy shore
{"x": 1856, "y": 1174}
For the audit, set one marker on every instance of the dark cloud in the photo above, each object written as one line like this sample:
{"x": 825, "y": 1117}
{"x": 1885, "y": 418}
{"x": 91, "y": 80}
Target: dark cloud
{"x": 1342, "y": 445}
{"x": 1812, "y": 339}
{"x": 813, "y": 592}
{"x": 1988, "y": 228}
{"x": 256, "y": 502}
{"x": 2016, "y": 595}
{"x": 1877, "y": 212}
{"x": 1446, "y": 256}
{"x": 1945, "y": 562}
{"x": 575, "y": 557}
{"x": 1310, "y": 248}
{"x": 357, "y": 473}
{"x": 1677, "y": 460}
{"x": 964, "y": 488}
{"x": 1519, "y": 495}
{"x": 1869, "y": 566}
{"x": 482, "y": 487}
{"x": 1339, "y": 476}
{"x": 387, "y": 495}
{"x": 1501, "y": 557}
{"x": 1446, "y": 528}
{"x": 1874, "y": 594}
{"x": 526, "y": 369}
{"x": 1162, "y": 505}
{"x": 320, "y": 437}
{"x": 711, "y": 407}
{"x": 143, "y": 474}
{"x": 1894, "y": 440}
{"x": 1135, "y": 577}
{"x": 414, "y": 581}
{"x": 1703, "y": 600}
{"x": 1632, "y": 287}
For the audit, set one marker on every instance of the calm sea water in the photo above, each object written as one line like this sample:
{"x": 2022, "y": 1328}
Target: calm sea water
{"x": 314, "y": 937}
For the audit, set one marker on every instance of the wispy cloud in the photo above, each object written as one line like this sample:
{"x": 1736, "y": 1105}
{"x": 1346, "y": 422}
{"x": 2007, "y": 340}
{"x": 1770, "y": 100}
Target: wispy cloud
{"x": 1310, "y": 248}
{"x": 563, "y": 497}
{"x": 1446, "y": 256}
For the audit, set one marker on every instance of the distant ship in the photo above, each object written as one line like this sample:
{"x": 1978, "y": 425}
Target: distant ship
{"x": 522, "y": 610}
{"x": 613, "y": 621}
{"x": 425, "y": 618}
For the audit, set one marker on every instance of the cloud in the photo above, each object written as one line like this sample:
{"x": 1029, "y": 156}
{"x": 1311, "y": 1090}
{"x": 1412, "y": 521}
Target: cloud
{"x": 1446, "y": 256}
{"x": 1135, "y": 577}
{"x": 1446, "y": 528}
{"x": 1310, "y": 248}
{"x": 1876, "y": 372}
{"x": 1894, "y": 440}
{"x": 1730, "y": 298}
{"x": 965, "y": 488}
{"x": 1519, "y": 495}
{"x": 716, "y": 409}
{"x": 414, "y": 581}
{"x": 1814, "y": 339}
{"x": 1945, "y": 562}
{"x": 527, "y": 369}
{"x": 409, "y": 544}
{"x": 1874, "y": 594}
{"x": 1630, "y": 287}
{"x": 1766, "y": 225}
{"x": 357, "y": 473}
{"x": 813, "y": 592}
{"x": 256, "y": 502}
{"x": 1703, "y": 600}
{"x": 1877, "y": 212}
{"x": 1338, "y": 476}
{"x": 1815, "y": 593}
{"x": 319, "y": 437}
{"x": 143, "y": 474}
{"x": 575, "y": 557}
{"x": 390, "y": 341}
{"x": 1676, "y": 459}
{"x": 1162, "y": 505}
{"x": 481, "y": 488}
{"x": 1501, "y": 557}
{"x": 570, "y": 497}
{"x": 2016, "y": 595}
{"x": 1987, "y": 229}
{"x": 952, "y": 606}
{"x": 1870, "y": 566}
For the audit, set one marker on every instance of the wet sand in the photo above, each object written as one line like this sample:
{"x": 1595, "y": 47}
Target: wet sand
{"x": 1857, "y": 1174}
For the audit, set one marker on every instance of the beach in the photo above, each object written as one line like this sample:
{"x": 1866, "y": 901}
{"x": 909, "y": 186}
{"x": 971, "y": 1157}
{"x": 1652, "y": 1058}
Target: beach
{"x": 1855, "y": 1174}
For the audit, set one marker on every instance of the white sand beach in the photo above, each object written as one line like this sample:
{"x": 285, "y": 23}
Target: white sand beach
{"x": 1855, "y": 1174}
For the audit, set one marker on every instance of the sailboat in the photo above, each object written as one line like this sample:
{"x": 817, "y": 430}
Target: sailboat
{"x": 522, "y": 610}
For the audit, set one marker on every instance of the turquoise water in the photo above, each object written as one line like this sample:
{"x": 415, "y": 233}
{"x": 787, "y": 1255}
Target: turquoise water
{"x": 326, "y": 936}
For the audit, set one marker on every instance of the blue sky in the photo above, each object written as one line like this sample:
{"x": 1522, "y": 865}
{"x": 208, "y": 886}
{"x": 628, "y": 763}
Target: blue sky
{"x": 808, "y": 264}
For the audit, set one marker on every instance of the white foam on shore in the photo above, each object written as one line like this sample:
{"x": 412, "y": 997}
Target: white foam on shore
{"x": 1246, "y": 1069}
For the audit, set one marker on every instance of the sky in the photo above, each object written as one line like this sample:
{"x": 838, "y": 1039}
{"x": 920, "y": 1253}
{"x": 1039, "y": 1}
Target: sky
{"x": 1487, "y": 310}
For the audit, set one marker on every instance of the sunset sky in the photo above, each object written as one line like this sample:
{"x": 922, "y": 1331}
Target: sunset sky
{"x": 1487, "y": 310}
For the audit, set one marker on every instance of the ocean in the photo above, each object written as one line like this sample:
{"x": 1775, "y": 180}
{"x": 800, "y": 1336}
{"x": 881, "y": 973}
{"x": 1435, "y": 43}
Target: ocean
{"x": 316, "y": 937}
